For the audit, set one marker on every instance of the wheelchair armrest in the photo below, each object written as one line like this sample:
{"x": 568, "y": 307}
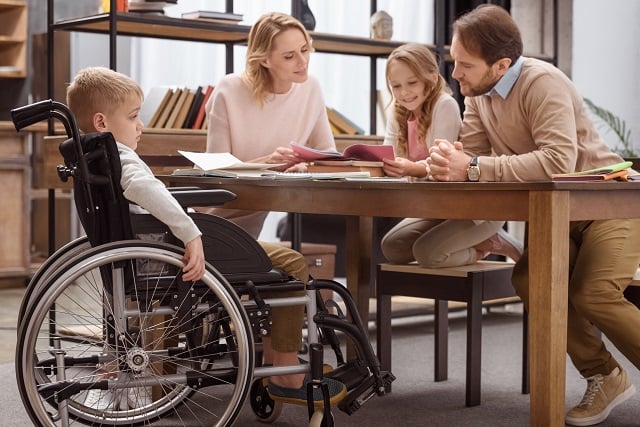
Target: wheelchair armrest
{"x": 176, "y": 189}
{"x": 200, "y": 197}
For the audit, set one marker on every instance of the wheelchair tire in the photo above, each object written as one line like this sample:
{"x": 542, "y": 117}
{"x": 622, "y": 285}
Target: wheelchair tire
{"x": 127, "y": 329}
{"x": 266, "y": 409}
{"x": 48, "y": 268}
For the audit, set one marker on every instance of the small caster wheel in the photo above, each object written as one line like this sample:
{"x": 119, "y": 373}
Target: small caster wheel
{"x": 265, "y": 408}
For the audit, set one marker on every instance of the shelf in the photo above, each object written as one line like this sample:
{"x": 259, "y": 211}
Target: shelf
{"x": 133, "y": 25}
{"x": 13, "y": 39}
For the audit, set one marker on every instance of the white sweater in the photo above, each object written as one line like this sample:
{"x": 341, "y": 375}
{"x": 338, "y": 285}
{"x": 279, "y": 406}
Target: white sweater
{"x": 151, "y": 196}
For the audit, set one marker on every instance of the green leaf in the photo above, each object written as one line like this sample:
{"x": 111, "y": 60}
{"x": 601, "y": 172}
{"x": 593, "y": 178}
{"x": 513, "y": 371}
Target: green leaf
{"x": 617, "y": 126}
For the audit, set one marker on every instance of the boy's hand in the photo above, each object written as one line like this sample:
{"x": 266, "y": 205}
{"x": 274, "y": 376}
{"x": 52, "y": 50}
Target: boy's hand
{"x": 193, "y": 260}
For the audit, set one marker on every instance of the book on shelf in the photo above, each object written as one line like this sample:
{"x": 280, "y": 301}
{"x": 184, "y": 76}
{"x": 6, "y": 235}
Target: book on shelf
{"x": 152, "y": 102}
{"x": 175, "y": 111}
{"x": 210, "y": 15}
{"x": 168, "y": 108}
{"x": 193, "y": 109}
{"x": 365, "y": 152}
{"x": 342, "y": 123}
{"x": 184, "y": 109}
{"x": 200, "y": 116}
{"x": 617, "y": 171}
{"x": 151, "y": 105}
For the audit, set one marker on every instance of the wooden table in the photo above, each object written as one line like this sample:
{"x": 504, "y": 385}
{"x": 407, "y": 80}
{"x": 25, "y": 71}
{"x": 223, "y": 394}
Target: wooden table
{"x": 548, "y": 207}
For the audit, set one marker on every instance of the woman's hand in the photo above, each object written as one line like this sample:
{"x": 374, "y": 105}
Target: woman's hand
{"x": 404, "y": 167}
{"x": 281, "y": 155}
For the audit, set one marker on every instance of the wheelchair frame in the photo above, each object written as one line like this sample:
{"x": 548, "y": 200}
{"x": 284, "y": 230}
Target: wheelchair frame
{"x": 109, "y": 316}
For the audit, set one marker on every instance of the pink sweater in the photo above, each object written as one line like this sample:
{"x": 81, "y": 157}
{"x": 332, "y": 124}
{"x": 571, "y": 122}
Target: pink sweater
{"x": 236, "y": 124}
{"x": 541, "y": 128}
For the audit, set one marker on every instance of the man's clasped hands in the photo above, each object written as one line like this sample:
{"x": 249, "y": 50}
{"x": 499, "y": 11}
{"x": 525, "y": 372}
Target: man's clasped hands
{"x": 447, "y": 161}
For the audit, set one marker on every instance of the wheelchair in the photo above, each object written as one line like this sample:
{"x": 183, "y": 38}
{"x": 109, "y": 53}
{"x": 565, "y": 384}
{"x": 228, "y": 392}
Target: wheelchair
{"x": 109, "y": 315}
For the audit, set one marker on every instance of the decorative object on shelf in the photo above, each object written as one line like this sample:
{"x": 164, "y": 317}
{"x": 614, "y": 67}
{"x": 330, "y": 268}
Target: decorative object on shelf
{"x": 381, "y": 25}
{"x": 150, "y": 7}
{"x": 301, "y": 11}
{"x": 121, "y": 6}
{"x": 211, "y": 16}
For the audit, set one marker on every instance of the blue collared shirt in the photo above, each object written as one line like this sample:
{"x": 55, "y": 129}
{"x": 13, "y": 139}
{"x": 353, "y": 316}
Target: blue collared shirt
{"x": 505, "y": 84}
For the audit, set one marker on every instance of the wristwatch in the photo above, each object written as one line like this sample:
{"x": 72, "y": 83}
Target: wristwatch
{"x": 473, "y": 171}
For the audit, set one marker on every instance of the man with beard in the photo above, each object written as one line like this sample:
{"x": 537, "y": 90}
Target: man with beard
{"x": 524, "y": 120}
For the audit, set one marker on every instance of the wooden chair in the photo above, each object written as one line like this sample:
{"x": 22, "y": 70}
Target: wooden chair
{"x": 475, "y": 284}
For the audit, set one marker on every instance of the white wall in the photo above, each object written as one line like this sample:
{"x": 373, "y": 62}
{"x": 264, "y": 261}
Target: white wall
{"x": 606, "y": 58}
{"x": 194, "y": 64}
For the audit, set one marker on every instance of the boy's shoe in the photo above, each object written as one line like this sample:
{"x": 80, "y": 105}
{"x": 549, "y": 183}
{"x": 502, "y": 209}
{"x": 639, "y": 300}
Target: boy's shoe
{"x": 326, "y": 368}
{"x": 138, "y": 397}
{"x": 603, "y": 394}
{"x": 100, "y": 400}
{"x": 298, "y": 396}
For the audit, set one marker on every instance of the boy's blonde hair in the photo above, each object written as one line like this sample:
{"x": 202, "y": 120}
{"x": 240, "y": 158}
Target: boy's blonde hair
{"x": 98, "y": 90}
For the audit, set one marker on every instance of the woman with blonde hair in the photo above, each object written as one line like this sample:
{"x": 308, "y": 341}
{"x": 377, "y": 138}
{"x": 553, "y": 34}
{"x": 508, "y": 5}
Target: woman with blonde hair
{"x": 423, "y": 110}
{"x": 255, "y": 115}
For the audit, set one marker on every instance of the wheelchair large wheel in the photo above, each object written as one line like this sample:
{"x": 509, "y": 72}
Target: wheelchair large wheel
{"x": 114, "y": 337}
{"x": 48, "y": 268}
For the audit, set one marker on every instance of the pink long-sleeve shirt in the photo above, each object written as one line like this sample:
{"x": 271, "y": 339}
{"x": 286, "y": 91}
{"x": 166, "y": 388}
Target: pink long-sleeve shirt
{"x": 238, "y": 125}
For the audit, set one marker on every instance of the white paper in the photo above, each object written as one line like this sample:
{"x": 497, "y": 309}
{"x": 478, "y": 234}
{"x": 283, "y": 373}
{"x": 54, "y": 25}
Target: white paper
{"x": 226, "y": 161}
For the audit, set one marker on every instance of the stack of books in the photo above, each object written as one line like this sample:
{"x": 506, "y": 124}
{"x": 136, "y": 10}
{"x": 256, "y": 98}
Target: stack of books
{"x": 211, "y": 16}
{"x": 355, "y": 158}
{"x": 618, "y": 171}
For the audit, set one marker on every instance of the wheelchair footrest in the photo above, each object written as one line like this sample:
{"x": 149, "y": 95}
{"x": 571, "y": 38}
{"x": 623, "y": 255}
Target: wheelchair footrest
{"x": 351, "y": 374}
{"x": 358, "y": 396}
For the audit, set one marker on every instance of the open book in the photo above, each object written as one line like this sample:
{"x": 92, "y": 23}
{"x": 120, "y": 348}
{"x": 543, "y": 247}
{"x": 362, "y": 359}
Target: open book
{"x": 223, "y": 165}
{"x": 367, "y": 152}
{"x": 605, "y": 173}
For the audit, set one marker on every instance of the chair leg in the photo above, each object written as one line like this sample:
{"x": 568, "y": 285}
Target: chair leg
{"x": 383, "y": 332}
{"x": 474, "y": 350}
{"x": 441, "y": 340}
{"x": 525, "y": 353}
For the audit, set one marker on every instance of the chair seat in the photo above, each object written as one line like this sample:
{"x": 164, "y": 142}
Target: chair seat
{"x": 484, "y": 282}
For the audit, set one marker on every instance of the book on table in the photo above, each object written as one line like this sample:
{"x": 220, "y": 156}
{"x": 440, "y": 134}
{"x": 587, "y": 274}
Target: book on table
{"x": 374, "y": 168}
{"x": 366, "y": 152}
{"x": 223, "y": 165}
{"x": 226, "y": 165}
{"x": 616, "y": 171}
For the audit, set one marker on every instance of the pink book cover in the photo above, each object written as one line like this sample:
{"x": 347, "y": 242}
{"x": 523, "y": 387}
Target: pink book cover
{"x": 372, "y": 153}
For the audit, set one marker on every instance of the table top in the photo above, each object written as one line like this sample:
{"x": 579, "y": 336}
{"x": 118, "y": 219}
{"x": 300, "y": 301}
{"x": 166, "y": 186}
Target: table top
{"x": 450, "y": 200}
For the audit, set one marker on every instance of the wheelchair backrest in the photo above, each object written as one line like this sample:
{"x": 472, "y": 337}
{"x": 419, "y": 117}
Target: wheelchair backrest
{"x": 101, "y": 206}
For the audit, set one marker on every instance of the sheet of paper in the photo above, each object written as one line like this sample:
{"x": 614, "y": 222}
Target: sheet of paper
{"x": 227, "y": 161}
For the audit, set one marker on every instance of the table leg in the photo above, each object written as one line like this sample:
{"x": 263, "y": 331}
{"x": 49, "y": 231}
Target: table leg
{"x": 548, "y": 287}
{"x": 359, "y": 241}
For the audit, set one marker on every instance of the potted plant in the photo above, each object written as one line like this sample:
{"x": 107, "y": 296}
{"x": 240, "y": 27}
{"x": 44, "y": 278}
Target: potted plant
{"x": 613, "y": 123}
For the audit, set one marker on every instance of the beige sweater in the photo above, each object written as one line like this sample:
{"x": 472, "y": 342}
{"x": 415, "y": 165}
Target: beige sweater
{"x": 540, "y": 129}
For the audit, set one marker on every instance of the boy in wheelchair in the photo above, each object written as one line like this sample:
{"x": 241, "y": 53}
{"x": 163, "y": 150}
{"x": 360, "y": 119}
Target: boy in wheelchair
{"x": 103, "y": 100}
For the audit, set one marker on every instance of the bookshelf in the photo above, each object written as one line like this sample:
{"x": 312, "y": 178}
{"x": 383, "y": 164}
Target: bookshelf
{"x": 13, "y": 39}
{"x": 115, "y": 24}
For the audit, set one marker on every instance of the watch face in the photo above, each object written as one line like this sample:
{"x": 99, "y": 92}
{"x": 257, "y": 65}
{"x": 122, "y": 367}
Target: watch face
{"x": 473, "y": 173}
